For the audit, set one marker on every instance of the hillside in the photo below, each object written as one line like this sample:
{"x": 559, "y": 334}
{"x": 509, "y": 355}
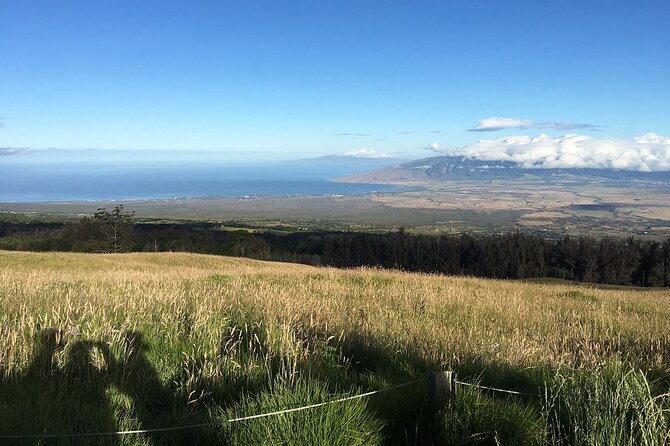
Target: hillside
{"x": 438, "y": 168}
{"x": 138, "y": 341}
{"x": 454, "y": 168}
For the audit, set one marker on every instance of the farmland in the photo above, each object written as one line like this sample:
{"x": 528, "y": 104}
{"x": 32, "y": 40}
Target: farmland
{"x": 556, "y": 205}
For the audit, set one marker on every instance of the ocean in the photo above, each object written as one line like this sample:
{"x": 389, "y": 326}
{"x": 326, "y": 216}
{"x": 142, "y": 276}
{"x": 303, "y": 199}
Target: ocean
{"x": 124, "y": 175}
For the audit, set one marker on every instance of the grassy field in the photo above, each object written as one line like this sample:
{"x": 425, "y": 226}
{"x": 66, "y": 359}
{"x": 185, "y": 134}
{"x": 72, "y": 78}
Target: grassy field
{"x": 141, "y": 341}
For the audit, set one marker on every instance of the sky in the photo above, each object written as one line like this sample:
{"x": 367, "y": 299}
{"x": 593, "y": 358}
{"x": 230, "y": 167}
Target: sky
{"x": 294, "y": 79}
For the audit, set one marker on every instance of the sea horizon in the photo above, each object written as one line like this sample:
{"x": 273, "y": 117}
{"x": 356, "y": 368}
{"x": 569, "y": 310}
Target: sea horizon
{"x": 35, "y": 178}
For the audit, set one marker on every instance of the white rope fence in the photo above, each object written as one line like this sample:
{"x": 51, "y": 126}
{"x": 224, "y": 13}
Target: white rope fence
{"x": 212, "y": 423}
{"x": 494, "y": 389}
{"x": 441, "y": 387}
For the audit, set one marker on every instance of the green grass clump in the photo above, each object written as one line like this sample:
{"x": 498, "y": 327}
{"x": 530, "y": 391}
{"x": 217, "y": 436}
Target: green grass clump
{"x": 612, "y": 405}
{"x": 475, "y": 417}
{"x": 348, "y": 423}
{"x": 219, "y": 279}
{"x": 578, "y": 295}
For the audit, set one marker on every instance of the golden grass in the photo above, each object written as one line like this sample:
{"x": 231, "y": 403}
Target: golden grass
{"x": 436, "y": 320}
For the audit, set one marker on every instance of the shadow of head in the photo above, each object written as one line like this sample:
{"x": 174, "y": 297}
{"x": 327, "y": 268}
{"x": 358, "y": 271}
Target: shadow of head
{"x": 49, "y": 339}
{"x": 48, "y": 342}
{"x": 135, "y": 343}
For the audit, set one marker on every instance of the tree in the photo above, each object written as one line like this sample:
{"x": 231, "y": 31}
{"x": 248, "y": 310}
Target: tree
{"x": 116, "y": 227}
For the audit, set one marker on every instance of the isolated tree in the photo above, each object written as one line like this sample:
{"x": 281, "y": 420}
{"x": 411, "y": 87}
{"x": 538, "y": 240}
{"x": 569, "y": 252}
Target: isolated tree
{"x": 116, "y": 227}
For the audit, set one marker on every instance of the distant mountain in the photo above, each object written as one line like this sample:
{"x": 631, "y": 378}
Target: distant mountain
{"x": 348, "y": 160}
{"x": 341, "y": 166}
{"x": 451, "y": 168}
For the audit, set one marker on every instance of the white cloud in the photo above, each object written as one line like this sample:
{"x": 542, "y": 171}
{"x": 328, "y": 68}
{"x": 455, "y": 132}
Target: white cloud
{"x": 433, "y": 147}
{"x": 366, "y": 153}
{"x": 493, "y": 124}
{"x": 646, "y": 153}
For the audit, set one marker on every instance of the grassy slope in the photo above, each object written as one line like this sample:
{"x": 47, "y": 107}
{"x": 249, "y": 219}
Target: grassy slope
{"x": 211, "y": 336}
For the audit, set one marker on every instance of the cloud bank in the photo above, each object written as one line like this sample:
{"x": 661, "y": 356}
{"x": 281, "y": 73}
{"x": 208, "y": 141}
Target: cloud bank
{"x": 366, "y": 153}
{"x": 647, "y": 153}
{"x": 494, "y": 124}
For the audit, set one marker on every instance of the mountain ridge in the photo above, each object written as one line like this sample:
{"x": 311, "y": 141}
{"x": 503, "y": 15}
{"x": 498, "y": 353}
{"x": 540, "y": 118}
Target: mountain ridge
{"x": 453, "y": 168}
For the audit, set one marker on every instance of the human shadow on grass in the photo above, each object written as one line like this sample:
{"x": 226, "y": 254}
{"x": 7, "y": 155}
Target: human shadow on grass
{"x": 48, "y": 398}
{"x": 79, "y": 386}
{"x": 75, "y": 396}
{"x": 74, "y": 386}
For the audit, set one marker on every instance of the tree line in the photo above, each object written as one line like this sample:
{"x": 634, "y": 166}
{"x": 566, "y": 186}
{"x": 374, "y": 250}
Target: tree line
{"x": 506, "y": 256}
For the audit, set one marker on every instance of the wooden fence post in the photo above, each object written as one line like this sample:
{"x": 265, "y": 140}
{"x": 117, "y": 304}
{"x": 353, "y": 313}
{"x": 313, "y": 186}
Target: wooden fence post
{"x": 441, "y": 387}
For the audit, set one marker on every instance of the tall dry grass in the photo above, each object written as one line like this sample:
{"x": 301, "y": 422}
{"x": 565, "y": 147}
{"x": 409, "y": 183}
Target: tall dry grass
{"x": 251, "y": 324}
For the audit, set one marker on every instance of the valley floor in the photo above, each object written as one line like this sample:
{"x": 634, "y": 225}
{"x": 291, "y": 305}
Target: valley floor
{"x": 567, "y": 205}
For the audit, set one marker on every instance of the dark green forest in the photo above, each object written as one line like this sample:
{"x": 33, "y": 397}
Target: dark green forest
{"x": 506, "y": 256}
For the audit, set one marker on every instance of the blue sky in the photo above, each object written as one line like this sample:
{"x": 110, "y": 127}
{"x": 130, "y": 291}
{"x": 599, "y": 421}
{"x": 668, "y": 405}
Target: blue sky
{"x": 312, "y": 78}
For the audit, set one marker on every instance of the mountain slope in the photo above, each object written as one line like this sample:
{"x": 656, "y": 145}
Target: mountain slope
{"x": 448, "y": 168}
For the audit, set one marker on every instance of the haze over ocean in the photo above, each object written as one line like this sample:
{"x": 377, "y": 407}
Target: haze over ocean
{"x": 123, "y": 175}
